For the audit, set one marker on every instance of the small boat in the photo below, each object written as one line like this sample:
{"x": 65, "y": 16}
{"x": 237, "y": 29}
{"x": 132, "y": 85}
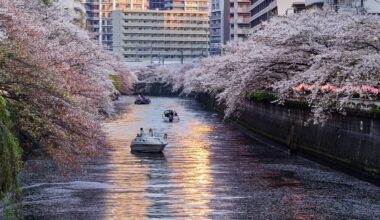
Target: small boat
{"x": 142, "y": 101}
{"x": 170, "y": 116}
{"x": 149, "y": 143}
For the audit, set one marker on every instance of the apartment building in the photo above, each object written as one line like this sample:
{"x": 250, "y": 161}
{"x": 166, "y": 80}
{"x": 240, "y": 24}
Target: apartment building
{"x": 219, "y": 25}
{"x": 263, "y": 10}
{"x": 99, "y": 20}
{"x": 160, "y": 35}
{"x": 239, "y": 19}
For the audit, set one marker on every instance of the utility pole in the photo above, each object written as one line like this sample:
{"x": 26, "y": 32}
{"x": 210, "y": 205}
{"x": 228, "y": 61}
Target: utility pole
{"x": 207, "y": 42}
{"x": 191, "y": 49}
{"x": 151, "y": 51}
{"x": 136, "y": 54}
{"x": 181, "y": 56}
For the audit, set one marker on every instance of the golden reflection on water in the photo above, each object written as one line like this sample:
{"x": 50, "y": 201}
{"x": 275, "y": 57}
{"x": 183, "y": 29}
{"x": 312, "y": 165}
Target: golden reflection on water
{"x": 128, "y": 204}
{"x": 184, "y": 185}
{"x": 127, "y": 200}
{"x": 194, "y": 194}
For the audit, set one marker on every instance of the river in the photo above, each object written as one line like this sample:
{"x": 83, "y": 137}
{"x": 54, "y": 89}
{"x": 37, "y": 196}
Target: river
{"x": 208, "y": 171}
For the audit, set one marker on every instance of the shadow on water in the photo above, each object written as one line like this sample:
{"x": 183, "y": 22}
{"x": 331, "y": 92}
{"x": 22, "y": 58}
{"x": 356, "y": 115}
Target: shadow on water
{"x": 149, "y": 156}
{"x": 208, "y": 170}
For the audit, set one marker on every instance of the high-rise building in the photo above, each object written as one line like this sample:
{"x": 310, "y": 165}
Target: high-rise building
{"x": 239, "y": 19}
{"x": 219, "y": 25}
{"x": 98, "y": 16}
{"x": 160, "y": 35}
{"x": 263, "y": 10}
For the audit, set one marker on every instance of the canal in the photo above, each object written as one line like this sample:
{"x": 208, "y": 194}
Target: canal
{"x": 208, "y": 171}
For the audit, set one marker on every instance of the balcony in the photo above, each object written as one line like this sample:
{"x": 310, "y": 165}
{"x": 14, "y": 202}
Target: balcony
{"x": 171, "y": 45}
{"x": 161, "y": 24}
{"x": 243, "y": 10}
{"x": 240, "y": 20}
{"x": 215, "y": 17}
{"x": 164, "y": 18}
{"x": 166, "y": 53}
{"x": 167, "y": 39}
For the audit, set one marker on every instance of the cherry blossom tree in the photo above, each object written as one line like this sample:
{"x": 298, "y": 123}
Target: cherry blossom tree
{"x": 75, "y": 10}
{"x": 57, "y": 81}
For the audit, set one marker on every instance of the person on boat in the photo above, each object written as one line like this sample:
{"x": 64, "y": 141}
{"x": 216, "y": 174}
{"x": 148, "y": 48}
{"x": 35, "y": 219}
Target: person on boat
{"x": 139, "y": 97}
{"x": 142, "y": 133}
{"x": 171, "y": 117}
{"x": 150, "y": 132}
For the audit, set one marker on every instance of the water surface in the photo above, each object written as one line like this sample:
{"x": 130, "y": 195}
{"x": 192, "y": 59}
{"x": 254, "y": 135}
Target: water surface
{"x": 208, "y": 171}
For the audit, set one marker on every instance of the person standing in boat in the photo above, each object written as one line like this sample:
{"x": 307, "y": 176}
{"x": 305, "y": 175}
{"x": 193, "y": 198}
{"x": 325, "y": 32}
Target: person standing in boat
{"x": 142, "y": 133}
{"x": 171, "y": 117}
{"x": 150, "y": 132}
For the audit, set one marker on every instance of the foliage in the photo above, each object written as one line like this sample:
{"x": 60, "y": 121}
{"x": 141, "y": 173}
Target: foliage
{"x": 9, "y": 213}
{"x": 46, "y": 2}
{"x": 10, "y": 151}
{"x": 335, "y": 54}
{"x": 117, "y": 82}
{"x": 57, "y": 81}
{"x": 261, "y": 96}
{"x": 120, "y": 83}
{"x": 375, "y": 109}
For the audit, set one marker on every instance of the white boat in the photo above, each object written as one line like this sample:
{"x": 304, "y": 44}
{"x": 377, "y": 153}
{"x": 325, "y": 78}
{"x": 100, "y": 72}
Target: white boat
{"x": 149, "y": 143}
{"x": 170, "y": 116}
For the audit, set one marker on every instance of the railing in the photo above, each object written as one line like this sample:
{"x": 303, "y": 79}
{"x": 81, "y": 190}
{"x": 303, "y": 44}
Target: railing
{"x": 165, "y": 53}
{"x": 185, "y": 46}
{"x": 165, "y": 18}
{"x": 141, "y": 24}
{"x": 354, "y": 103}
{"x": 126, "y": 38}
{"x": 151, "y": 31}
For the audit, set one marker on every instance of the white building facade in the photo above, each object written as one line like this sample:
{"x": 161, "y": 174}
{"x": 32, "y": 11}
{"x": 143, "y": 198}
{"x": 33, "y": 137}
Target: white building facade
{"x": 160, "y": 35}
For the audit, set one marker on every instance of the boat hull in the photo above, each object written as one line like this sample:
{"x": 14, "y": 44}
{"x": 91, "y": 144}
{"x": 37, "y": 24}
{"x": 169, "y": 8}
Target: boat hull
{"x": 166, "y": 119}
{"x": 147, "y": 148}
{"x": 142, "y": 102}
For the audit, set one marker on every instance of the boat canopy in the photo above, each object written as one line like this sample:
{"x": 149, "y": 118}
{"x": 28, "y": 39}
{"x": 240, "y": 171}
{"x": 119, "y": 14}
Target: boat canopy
{"x": 167, "y": 113}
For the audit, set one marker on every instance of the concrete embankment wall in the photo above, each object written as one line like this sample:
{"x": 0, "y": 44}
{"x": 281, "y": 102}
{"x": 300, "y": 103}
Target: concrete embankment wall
{"x": 350, "y": 142}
